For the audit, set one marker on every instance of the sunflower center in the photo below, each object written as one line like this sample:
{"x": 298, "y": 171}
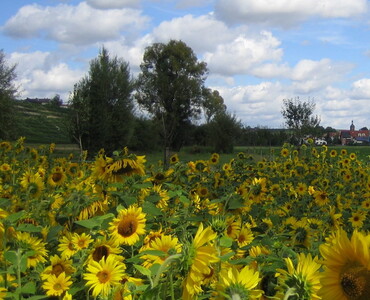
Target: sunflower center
{"x": 103, "y": 276}
{"x": 57, "y": 286}
{"x": 100, "y": 252}
{"x": 356, "y": 283}
{"x": 56, "y": 177}
{"x": 127, "y": 227}
{"x": 57, "y": 269}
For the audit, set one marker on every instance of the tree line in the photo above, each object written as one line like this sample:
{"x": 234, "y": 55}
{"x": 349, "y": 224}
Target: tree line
{"x": 166, "y": 106}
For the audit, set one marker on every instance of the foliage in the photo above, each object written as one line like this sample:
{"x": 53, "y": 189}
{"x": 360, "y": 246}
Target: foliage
{"x": 223, "y": 131}
{"x": 101, "y": 105}
{"x": 213, "y": 104}
{"x": 7, "y": 94}
{"x": 299, "y": 117}
{"x": 170, "y": 88}
{"x": 202, "y": 229}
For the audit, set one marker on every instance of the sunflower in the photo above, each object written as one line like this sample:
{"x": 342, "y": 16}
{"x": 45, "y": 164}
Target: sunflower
{"x": 347, "y": 267}
{"x": 214, "y": 159}
{"x": 117, "y": 170}
{"x": 238, "y": 284}
{"x": 57, "y": 285}
{"x": 321, "y": 197}
{"x": 66, "y": 246}
{"x": 81, "y": 241}
{"x": 57, "y": 176}
{"x": 2, "y": 293}
{"x": 174, "y": 159}
{"x": 303, "y": 280}
{"x": 357, "y": 219}
{"x": 233, "y": 226}
{"x": 128, "y": 226}
{"x": 103, "y": 248}
{"x": 284, "y": 152}
{"x": 58, "y": 266}
{"x": 198, "y": 257}
{"x": 167, "y": 244}
{"x": 102, "y": 276}
{"x": 245, "y": 236}
{"x": 35, "y": 245}
{"x": 32, "y": 183}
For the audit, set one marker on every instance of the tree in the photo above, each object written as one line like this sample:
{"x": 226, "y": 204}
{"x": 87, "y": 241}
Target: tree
{"x": 213, "y": 104}
{"x": 299, "y": 117}
{"x": 101, "y": 105}
{"x": 170, "y": 88}
{"x": 223, "y": 131}
{"x": 7, "y": 96}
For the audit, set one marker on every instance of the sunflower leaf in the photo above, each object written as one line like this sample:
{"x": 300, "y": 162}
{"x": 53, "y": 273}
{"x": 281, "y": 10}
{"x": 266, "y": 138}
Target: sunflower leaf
{"x": 143, "y": 270}
{"x": 29, "y": 228}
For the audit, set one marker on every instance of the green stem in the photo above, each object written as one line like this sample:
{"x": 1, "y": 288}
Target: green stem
{"x": 290, "y": 292}
{"x": 19, "y": 258}
{"x": 163, "y": 266}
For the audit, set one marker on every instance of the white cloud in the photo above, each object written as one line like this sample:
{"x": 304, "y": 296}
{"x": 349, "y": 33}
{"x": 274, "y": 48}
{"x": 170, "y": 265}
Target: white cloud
{"x": 286, "y": 12}
{"x": 111, "y": 4}
{"x": 200, "y": 33}
{"x": 243, "y": 53}
{"x": 78, "y": 25}
{"x": 361, "y": 89}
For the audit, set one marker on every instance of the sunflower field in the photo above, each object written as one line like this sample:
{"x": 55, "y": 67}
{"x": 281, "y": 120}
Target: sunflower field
{"x": 295, "y": 227}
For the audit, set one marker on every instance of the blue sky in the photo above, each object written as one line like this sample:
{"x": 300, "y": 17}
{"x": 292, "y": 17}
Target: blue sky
{"x": 258, "y": 52}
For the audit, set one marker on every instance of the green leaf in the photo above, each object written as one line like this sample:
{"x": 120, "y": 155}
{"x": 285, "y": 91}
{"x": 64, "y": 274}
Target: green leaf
{"x": 226, "y": 241}
{"x": 143, "y": 270}
{"x": 235, "y": 203}
{"x": 11, "y": 256}
{"x": 53, "y": 233}
{"x": 15, "y": 217}
{"x": 29, "y": 288}
{"x": 29, "y": 228}
{"x": 150, "y": 209}
{"x": 94, "y": 222}
{"x": 184, "y": 199}
{"x": 227, "y": 256}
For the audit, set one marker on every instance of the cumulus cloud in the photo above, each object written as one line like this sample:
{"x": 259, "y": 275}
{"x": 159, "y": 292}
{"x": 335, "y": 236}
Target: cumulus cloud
{"x": 361, "y": 89}
{"x": 201, "y": 33}
{"x": 286, "y": 12}
{"x": 243, "y": 54}
{"x": 40, "y": 75}
{"x": 111, "y": 4}
{"x": 78, "y": 25}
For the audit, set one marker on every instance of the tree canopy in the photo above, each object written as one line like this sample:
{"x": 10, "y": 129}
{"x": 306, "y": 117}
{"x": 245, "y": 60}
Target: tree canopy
{"x": 299, "y": 116}
{"x": 170, "y": 88}
{"x": 8, "y": 92}
{"x": 102, "y": 106}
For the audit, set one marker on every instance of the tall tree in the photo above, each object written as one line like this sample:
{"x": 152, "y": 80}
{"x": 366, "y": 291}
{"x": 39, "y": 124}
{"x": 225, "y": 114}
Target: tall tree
{"x": 170, "y": 87}
{"x": 213, "y": 104}
{"x": 7, "y": 96}
{"x": 102, "y": 106}
{"x": 299, "y": 117}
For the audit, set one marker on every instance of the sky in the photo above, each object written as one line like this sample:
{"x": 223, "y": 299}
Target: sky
{"x": 258, "y": 52}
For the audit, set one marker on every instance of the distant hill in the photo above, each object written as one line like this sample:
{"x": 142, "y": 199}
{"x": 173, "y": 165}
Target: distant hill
{"x": 42, "y": 122}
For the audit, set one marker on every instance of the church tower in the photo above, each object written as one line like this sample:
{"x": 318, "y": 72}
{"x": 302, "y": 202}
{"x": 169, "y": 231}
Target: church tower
{"x": 352, "y": 127}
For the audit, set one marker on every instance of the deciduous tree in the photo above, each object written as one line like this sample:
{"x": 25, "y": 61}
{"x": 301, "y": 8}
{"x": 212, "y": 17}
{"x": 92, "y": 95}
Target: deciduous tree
{"x": 170, "y": 88}
{"x": 299, "y": 117}
{"x": 102, "y": 105}
{"x": 8, "y": 92}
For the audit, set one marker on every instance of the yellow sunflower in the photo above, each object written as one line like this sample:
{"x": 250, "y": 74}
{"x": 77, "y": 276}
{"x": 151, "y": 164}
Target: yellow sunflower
{"x": 128, "y": 226}
{"x": 57, "y": 285}
{"x": 34, "y": 244}
{"x": 81, "y": 241}
{"x": 347, "y": 267}
{"x": 303, "y": 281}
{"x": 245, "y": 236}
{"x": 57, "y": 176}
{"x": 198, "y": 258}
{"x": 357, "y": 219}
{"x": 103, "y": 248}
{"x": 102, "y": 276}
{"x": 238, "y": 284}
{"x": 2, "y": 293}
{"x": 167, "y": 244}
{"x": 58, "y": 266}
{"x": 33, "y": 184}
{"x": 66, "y": 246}
{"x": 174, "y": 159}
